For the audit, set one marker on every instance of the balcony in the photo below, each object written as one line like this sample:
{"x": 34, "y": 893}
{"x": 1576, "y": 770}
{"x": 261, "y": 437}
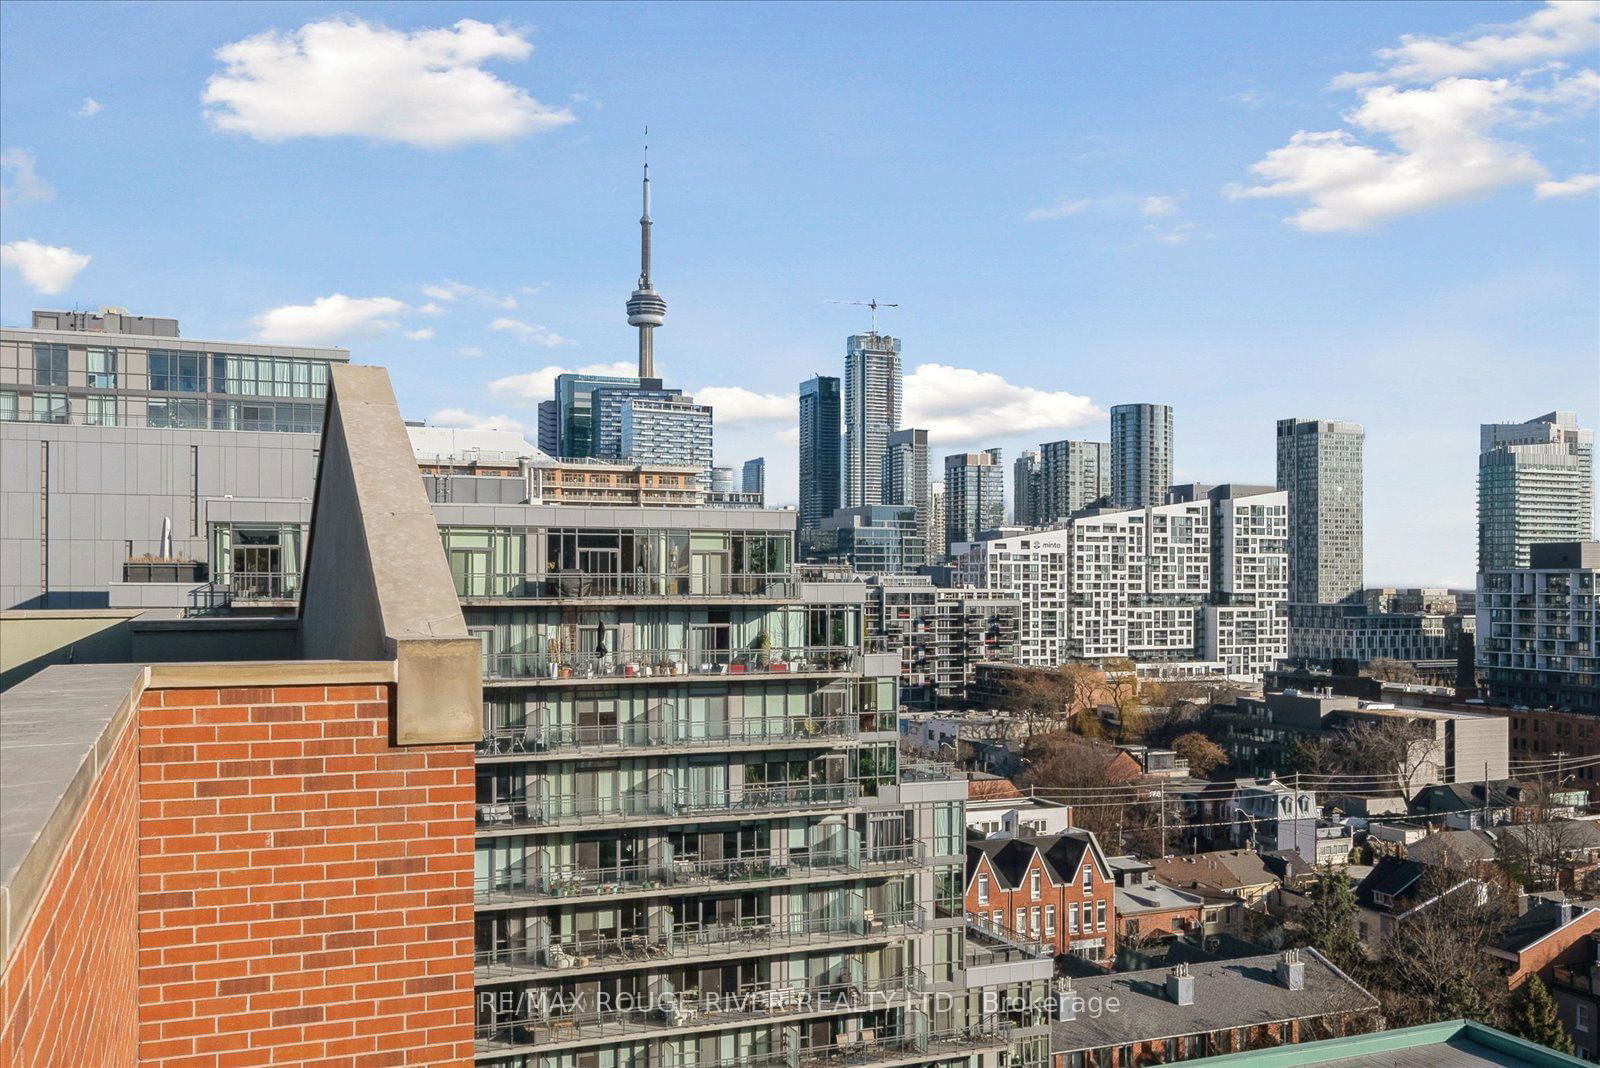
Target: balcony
{"x": 655, "y": 805}
{"x": 927, "y": 772}
{"x": 866, "y": 1047}
{"x": 992, "y": 943}
{"x": 611, "y": 586}
{"x": 535, "y": 740}
{"x": 647, "y": 664}
{"x": 688, "y": 875}
{"x": 690, "y": 1011}
{"x": 520, "y": 960}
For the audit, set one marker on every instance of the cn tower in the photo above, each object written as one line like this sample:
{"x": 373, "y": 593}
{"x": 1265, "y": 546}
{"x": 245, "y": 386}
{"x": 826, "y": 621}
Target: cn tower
{"x": 646, "y": 309}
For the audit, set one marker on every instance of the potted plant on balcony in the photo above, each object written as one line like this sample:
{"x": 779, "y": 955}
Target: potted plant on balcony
{"x": 551, "y": 650}
{"x": 763, "y": 650}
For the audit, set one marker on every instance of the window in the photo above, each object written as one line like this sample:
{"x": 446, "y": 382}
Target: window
{"x": 948, "y": 887}
{"x": 102, "y": 368}
{"x": 1100, "y": 915}
{"x": 1088, "y": 877}
{"x": 948, "y": 828}
{"x": 102, "y": 411}
{"x": 8, "y": 406}
{"x": 983, "y": 889}
{"x": 1049, "y": 919}
{"x": 1033, "y": 920}
{"x": 1072, "y": 918}
{"x": 165, "y": 412}
{"x": 1033, "y": 886}
{"x": 177, "y": 372}
{"x": 998, "y": 918}
{"x": 50, "y": 408}
{"x": 49, "y": 365}
{"x": 1580, "y": 1019}
{"x": 1022, "y": 920}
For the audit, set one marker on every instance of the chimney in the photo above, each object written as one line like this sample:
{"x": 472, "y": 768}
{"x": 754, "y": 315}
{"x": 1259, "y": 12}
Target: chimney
{"x": 1066, "y": 1000}
{"x": 1568, "y": 913}
{"x": 1291, "y": 971}
{"x": 1180, "y": 985}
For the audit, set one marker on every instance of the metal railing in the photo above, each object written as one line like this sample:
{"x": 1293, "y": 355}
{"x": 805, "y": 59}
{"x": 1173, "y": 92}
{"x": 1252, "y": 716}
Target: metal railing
{"x": 686, "y": 873}
{"x": 262, "y": 585}
{"x": 688, "y": 940}
{"x": 628, "y": 806}
{"x": 1005, "y": 942}
{"x": 577, "y": 584}
{"x": 866, "y": 1047}
{"x": 534, "y": 738}
{"x": 656, "y": 663}
{"x": 927, "y": 772}
{"x": 691, "y": 1009}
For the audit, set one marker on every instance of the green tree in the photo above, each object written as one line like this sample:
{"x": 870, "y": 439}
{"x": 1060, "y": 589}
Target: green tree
{"x": 1328, "y": 924}
{"x": 1533, "y": 1017}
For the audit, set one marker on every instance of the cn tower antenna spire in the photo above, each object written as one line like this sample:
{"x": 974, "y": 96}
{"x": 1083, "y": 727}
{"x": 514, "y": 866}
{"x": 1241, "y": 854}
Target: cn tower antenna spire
{"x": 646, "y": 309}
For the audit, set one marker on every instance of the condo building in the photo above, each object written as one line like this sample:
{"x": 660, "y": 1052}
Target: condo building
{"x": 905, "y": 471}
{"x": 126, "y": 445}
{"x": 1320, "y": 467}
{"x": 974, "y": 495}
{"x": 1538, "y": 629}
{"x": 873, "y": 395}
{"x": 1026, "y": 510}
{"x": 753, "y": 477}
{"x": 1141, "y": 454}
{"x": 672, "y": 430}
{"x": 1196, "y": 581}
{"x": 874, "y": 539}
{"x": 820, "y": 459}
{"x": 1535, "y": 485}
{"x": 940, "y": 635}
{"x": 1073, "y": 475}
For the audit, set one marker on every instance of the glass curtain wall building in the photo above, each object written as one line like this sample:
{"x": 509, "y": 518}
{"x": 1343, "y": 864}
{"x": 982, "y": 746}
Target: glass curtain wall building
{"x": 872, "y": 399}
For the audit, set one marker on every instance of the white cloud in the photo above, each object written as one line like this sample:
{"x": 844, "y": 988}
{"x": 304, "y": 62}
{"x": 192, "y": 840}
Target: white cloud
{"x": 424, "y": 334}
{"x": 1561, "y": 28}
{"x": 344, "y": 76}
{"x": 451, "y": 290}
{"x": 430, "y": 308}
{"x": 89, "y": 107}
{"x": 26, "y": 186}
{"x": 533, "y": 333}
{"x": 1175, "y": 235}
{"x": 735, "y": 404}
{"x": 328, "y": 319}
{"x": 1156, "y": 206}
{"x": 1060, "y": 209}
{"x": 47, "y": 268}
{"x": 540, "y": 385}
{"x": 790, "y": 435}
{"x": 1409, "y": 147}
{"x": 470, "y": 351}
{"x": 1575, "y": 186}
{"x": 465, "y": 420}
{"x": 959, "y": 405}
{"x": 1444, "y": 151}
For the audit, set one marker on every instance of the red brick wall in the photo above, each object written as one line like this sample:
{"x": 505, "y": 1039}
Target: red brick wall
{"x": 68, "y": 994}
{"x": 1008, "y": 901}
{"x": 305, "y": 890}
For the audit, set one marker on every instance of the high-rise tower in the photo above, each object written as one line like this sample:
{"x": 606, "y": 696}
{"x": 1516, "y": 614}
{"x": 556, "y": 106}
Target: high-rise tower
{"x": 872, "y": 393}
{"x": 1141, "y": 455}
{"x": 646, "y": 309}
{"x": 1320, "y": 465}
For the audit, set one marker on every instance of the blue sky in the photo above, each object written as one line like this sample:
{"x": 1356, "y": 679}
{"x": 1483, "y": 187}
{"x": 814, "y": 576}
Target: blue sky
{"x": 1377, "y": 212}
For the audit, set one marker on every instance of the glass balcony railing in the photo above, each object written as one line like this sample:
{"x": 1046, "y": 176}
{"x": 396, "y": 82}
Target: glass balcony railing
{"x": 687, "y": 873}
{"x": 533, "y": 738}
{"x": 562, "y": 811}
{"x": 779, "y": 585}
{"x": 691, "y": 1009}
{"x": 690, "y": 940}
{"x": 657, "y": 663}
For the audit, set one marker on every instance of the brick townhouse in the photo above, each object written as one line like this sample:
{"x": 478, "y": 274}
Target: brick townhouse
{"x": 1055, "y": 888}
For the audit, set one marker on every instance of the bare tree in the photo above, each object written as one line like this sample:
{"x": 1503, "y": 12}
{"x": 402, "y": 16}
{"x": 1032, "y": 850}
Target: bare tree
{"x": 1386, "y": 669}
{"x": 1122, "y": 693}
{"x": 1047, "y": 699}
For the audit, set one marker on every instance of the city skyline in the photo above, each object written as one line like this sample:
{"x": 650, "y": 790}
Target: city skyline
{"x": 1407, "y": 326}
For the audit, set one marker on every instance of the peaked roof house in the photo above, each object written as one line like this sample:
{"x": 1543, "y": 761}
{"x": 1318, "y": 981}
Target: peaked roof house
{"x": 1393, "y": 891}
{"x": 1057, "y": 889}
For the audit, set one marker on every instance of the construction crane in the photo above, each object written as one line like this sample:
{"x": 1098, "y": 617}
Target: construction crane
{"x": 873, "y": 304}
